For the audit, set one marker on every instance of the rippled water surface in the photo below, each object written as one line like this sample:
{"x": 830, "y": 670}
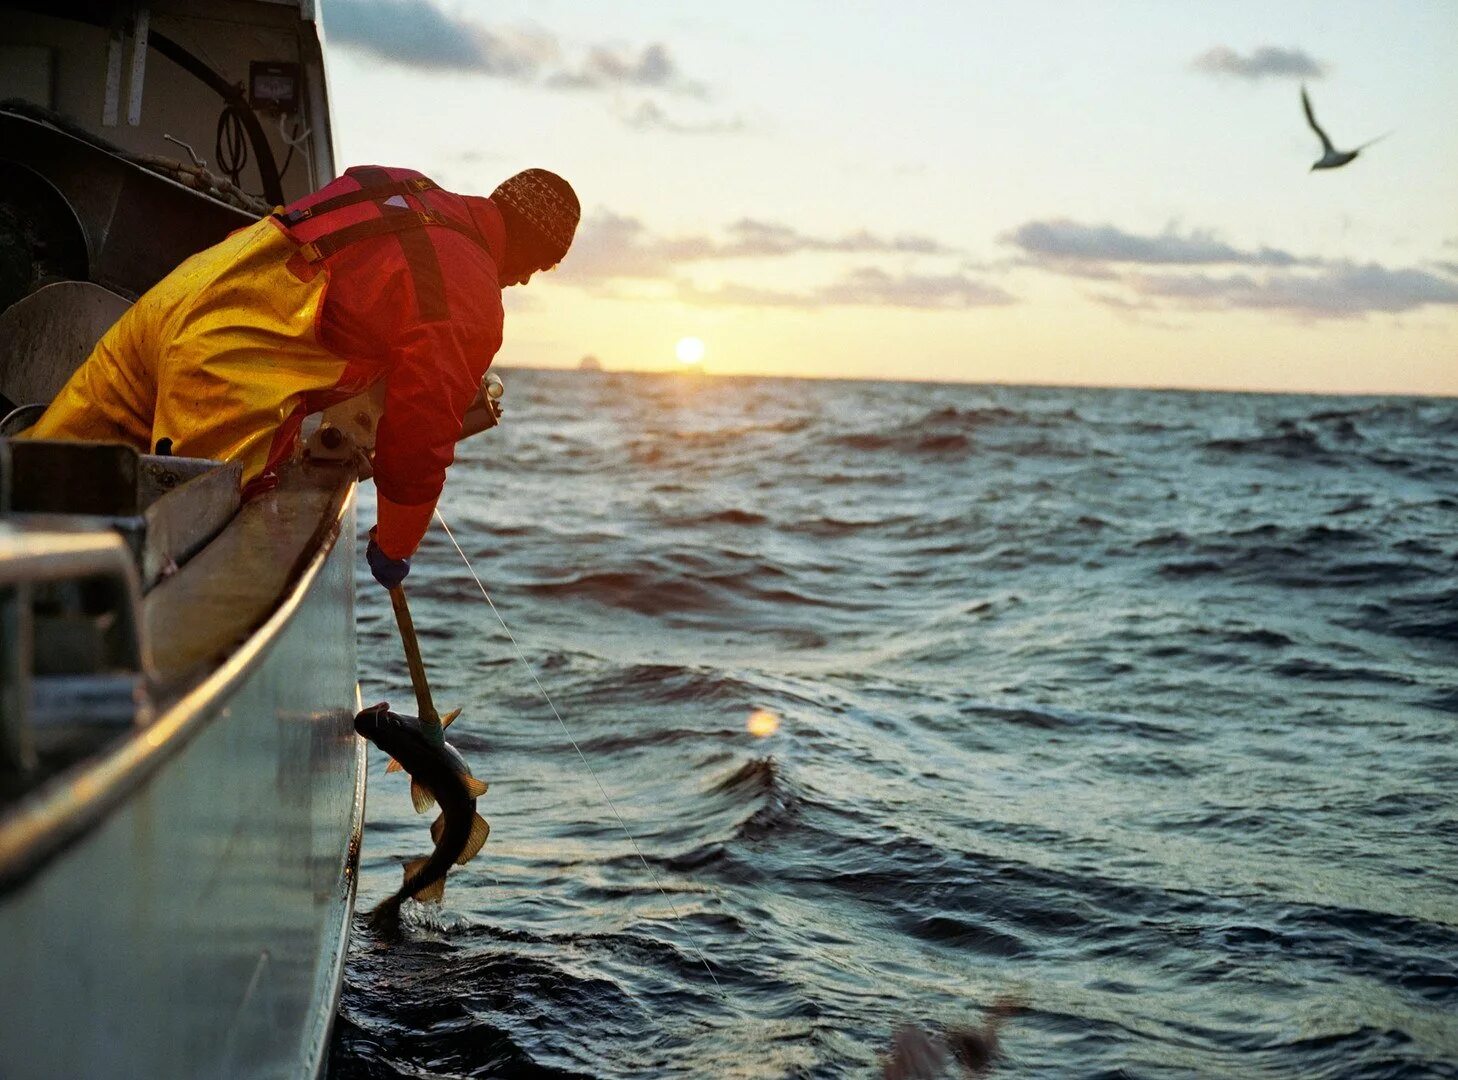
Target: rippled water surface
{"x": 1136, "y": 707}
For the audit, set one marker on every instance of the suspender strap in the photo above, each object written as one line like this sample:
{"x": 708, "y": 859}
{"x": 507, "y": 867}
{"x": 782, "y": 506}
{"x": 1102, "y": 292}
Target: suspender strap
{"x": 369, "y": 193}
{"x": 407, "y": 225}
{"x": 329, "y": 243}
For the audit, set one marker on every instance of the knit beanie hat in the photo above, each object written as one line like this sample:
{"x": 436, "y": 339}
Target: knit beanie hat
{"x": 546, "y": 205}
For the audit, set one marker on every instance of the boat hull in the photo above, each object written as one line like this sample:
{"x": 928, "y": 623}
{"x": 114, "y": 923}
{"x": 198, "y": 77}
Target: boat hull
{"x": 198, "y": 929}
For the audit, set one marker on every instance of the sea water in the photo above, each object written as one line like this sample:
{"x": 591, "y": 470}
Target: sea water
{"x": 1134, "y": 708}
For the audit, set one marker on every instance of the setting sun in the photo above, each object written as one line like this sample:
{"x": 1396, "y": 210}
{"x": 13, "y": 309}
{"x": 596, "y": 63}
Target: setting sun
{"x": 689, "y": 350}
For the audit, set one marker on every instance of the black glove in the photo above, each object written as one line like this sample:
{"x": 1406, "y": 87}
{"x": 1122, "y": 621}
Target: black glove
{"x": 388, "y": 572}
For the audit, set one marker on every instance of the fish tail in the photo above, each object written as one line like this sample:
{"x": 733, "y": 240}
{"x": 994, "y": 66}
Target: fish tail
{"x": 386, "y": 915}
{"x": 425, "y": 876}
{"x": 418, "y": 884}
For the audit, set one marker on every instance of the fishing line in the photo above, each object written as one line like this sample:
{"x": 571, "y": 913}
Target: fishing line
{"x": 593, "y": 772}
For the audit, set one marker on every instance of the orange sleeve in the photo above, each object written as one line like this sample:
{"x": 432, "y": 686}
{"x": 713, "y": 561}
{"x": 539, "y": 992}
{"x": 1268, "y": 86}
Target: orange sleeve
{"x": 434, "y": 375}
{"x": 400, "y": 528}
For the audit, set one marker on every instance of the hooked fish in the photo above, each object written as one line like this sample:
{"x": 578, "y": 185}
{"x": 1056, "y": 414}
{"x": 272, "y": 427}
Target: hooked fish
{"x": 438, "y": 774}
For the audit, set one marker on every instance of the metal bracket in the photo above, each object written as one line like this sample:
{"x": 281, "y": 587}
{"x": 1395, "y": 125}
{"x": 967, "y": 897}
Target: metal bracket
{"x": 111, "y": 103}
{"x": 138, "y": 17}
{"x": 140, "y": 28}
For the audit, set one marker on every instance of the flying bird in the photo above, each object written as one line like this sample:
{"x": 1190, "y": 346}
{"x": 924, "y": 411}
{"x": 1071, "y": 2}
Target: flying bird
{"x": 1331, "y": 157}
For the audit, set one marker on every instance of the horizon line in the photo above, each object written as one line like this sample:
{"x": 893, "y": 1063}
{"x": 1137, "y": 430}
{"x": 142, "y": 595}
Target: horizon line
{"x": 698, "y": 372}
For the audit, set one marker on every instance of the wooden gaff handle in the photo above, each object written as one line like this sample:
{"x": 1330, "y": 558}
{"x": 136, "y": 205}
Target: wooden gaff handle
{"x": 412, "y": 656}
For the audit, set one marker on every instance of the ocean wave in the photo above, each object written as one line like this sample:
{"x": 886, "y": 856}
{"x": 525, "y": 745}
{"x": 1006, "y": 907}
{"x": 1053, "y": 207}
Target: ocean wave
{"x": 1290, "y": 441}
{"x": 1266, "y": 638}
{"x": 731, "y": 516}
{"x": 828, "y": 526}
{"x": 645, "y": 738}
{"x": 1426, "y": 417}
{"x": 657, "y": 589}
{"x": 755, "y": 778}
{"x": 913, "y": 442}
{"x": 758, "y": 786}
{"x": 969, "y": 418}
{"x": 1299, "y": 556}
{"x": 1432, "y": 615}
{"x": 667, "y": 684}
{"x": 1446, "y": 701}
{"x": 1329, "y": 535}
{"x": 1413, "y": 466}
{"x": 1172, "y": 538}
{"x": 965, "y": 933}
{"x": 1376, "y": 572}
{"x": 646, "y": 593}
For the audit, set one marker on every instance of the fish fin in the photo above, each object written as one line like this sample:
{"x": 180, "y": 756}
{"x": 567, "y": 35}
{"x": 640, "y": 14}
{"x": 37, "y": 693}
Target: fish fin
{"x": 480, "y": 830}
{"x": 474, "y": 788}
{"x": 421, "y": 796}
{"x": 394, "y": 766}
{"x": 449, "y": 718}
{"x": 433, "y": 893}
{"x": 436, "y": 828}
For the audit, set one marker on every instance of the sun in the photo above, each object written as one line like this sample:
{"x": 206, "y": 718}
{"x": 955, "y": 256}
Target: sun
{"x": 689, "y": 350}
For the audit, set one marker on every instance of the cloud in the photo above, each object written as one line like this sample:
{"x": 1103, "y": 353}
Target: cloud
{"x": 759, "y": 238}
{"x": 874, "y": 286}
{"x": 648, "y": 116}
{"x": 749, "y": 238}
{"x": 614, "y": 248}
{"x": 1074, "y": 247}
{"x": 865, "y": 287}
{"x": 1139, "y": 311}
{"x": 1262, "y": 61}
{"x": 1149, "y": 267}
{"x": 608, "y": 68}
{"x": 421, "y": 34}
{"x": 1337, "y": 291}
{"x": 416, "y": 33}
{"x": 611, "y": 245}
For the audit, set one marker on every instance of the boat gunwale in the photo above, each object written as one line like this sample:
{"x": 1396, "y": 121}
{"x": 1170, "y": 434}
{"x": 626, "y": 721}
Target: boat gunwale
{"x": 66, "y": 807}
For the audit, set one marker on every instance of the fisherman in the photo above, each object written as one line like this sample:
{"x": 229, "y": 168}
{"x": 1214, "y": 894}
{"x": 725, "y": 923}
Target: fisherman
{"x": 381, "y": 274}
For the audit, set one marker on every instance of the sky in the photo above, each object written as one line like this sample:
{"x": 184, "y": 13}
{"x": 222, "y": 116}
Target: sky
{"x": 1106, "y": 194}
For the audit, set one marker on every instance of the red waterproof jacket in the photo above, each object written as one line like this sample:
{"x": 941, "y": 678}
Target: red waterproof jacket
{"x": 422, "y": 306}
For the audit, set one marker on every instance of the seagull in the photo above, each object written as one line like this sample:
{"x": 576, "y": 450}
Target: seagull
{"x": 1331, "y": 157}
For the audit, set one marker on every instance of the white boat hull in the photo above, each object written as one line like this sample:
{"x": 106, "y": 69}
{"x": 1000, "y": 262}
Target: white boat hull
{"x": 198, "y": 928}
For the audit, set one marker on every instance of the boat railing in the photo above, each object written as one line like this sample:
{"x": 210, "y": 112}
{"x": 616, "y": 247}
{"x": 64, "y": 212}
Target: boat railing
{"x": 74, "y": 669}
{"x": 87, "y": 528}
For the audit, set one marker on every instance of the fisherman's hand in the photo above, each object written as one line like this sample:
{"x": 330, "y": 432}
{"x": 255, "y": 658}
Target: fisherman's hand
{"x": 388, "y": 572}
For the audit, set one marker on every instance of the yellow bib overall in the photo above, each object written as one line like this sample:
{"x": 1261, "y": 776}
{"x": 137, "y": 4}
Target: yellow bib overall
{"x": 219, "y": 356}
